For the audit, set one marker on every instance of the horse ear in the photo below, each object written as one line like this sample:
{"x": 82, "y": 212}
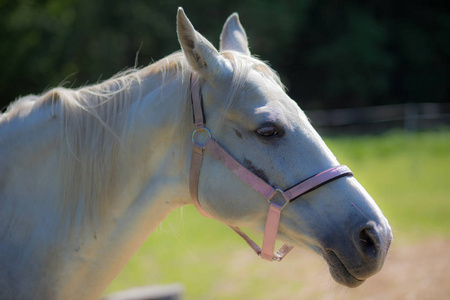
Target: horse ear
{"x": 233, "y": 36}
{"x": 199, "y": 52}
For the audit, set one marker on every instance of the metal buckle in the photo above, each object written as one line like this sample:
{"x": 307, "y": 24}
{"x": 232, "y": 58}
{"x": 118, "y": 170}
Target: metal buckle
{"x": 274, "y": 257}
{"x": 270, "y": 200}
{"x": 199, "y": 130}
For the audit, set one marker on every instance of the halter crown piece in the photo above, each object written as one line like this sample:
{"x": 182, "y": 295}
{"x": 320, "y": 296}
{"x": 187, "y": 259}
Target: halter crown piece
{"x": 276, "y": 204}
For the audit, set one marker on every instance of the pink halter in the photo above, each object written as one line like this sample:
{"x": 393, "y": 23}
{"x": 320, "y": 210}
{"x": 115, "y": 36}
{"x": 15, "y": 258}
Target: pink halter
{"x": 276, "y": 204}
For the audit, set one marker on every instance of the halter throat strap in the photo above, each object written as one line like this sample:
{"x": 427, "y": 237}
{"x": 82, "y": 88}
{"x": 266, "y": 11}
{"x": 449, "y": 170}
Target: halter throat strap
{"x": 277, "y": 198}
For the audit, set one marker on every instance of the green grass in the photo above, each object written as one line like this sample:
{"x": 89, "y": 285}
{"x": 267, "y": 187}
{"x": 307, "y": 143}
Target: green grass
{"x": 406, "y": 174}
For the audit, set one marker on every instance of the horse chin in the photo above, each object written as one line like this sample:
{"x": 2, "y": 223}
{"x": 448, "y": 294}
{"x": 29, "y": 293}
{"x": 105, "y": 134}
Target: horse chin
{"x": 339, "y": 272}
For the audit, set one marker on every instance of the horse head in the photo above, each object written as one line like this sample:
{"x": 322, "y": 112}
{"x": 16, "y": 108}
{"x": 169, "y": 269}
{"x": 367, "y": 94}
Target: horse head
{"x": 247, "y": 110}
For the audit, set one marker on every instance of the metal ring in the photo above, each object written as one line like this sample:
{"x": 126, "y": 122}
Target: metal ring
{"x": 200, "y": 130}
{"x": 282, "y": 194}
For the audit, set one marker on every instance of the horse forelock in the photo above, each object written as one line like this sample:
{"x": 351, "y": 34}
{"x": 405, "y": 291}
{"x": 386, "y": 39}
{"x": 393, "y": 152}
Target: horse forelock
{"x": 242, "y": 65}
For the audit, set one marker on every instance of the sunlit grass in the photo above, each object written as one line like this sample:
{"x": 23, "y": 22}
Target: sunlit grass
{"x": 406, "y": 174}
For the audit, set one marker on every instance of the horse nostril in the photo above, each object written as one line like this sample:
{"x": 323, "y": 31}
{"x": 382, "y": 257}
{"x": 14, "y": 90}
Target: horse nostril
{"x": 369, "y": 242}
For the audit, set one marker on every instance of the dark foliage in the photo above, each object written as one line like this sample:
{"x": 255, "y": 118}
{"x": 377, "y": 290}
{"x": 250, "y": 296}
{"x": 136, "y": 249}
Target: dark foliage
{"x": 329, "y": 53}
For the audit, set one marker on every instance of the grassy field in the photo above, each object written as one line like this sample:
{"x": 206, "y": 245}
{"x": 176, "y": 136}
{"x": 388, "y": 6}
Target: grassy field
{"x": 405, "y": 173}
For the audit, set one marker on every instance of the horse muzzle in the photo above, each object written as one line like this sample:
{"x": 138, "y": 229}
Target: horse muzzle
{"x": 364, "y": 258}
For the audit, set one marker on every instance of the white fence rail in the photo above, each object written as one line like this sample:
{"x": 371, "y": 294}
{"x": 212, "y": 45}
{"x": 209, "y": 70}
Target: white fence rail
{"x": 410, "y": 117}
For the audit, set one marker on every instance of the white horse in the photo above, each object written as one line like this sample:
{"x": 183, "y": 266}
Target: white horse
{"x": 88, "y": 174}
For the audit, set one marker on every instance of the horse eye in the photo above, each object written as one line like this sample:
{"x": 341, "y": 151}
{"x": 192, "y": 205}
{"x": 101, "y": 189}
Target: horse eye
{"x": 267, "y": 131}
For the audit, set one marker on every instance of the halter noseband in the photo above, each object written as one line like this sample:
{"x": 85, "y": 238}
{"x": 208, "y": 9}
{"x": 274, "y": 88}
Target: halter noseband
{"x": 276, "y": 204}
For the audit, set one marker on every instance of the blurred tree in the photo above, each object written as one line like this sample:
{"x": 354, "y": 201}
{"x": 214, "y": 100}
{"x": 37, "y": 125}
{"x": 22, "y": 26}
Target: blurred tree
{"x": 328, "y": 53}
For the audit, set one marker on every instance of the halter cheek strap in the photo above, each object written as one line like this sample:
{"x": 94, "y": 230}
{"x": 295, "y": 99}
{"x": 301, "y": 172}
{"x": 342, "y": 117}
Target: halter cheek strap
{"x": 277, "y": 198}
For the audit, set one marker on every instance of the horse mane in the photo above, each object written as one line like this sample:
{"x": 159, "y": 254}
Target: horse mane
{"x": 96, "y": 127}
{"x": 95, "y": 121}
{"x": 93, "y": 130}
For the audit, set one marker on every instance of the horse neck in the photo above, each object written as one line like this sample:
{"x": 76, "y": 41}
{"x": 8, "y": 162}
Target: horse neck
{"x": 154, "y": 153}
{"x": 152, "y": 182}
